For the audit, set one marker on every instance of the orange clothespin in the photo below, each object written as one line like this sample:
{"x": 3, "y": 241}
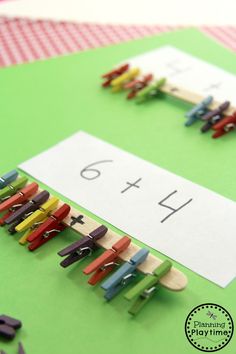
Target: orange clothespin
{"x": 20, "y": 197}
{"x": 137, "y": 85}
{"x": 104, "y": 264}
{"x": 4, "y": 217}
{"x": 225, "y": 126}
{"x": 111, "y": 75}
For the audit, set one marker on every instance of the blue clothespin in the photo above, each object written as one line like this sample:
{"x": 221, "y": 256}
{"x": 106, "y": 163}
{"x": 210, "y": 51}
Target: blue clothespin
{"x": 8, "y": 178}
{"x": 124, "y": 275}
{"x": 198, "y": 111}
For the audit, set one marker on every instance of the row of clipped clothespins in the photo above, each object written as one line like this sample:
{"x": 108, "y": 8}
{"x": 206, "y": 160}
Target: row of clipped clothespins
{"x": 40, "y": 217}
{"x": 144, "y": 88}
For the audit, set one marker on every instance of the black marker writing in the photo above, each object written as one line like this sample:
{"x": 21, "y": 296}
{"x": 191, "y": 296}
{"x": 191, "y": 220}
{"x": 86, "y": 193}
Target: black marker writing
{"x": 177, "y": 68}
{"x": 130, "y": 185}
{"x": 173, "y": 210}
{"x": 214, "y": 86}
{"x": 92, "y": 173}
{"x": 77, "y": 219}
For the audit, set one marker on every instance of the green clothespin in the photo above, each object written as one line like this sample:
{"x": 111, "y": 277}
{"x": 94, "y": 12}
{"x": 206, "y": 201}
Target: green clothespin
{"x": 145, "y": 289}
{"x": 12, "y": 188}
{"x": 150, "y": 91}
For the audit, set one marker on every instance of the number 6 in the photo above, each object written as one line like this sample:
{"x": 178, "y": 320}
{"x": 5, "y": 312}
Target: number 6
{"x": 95, "y": 173}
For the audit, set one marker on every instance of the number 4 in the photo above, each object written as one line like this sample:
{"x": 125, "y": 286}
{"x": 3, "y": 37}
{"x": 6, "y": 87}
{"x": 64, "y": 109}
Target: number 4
{"x": 171, "y": 208}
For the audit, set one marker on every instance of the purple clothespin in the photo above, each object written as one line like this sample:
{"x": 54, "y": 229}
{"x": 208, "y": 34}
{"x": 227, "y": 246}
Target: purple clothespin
{"x": 8, "y": 326}
{"x": 213, "y": 117}
{"x": 82, "y": 248}
{"x": 12, "y": 228}
{"x": 20, "y": 348}
{"x": 29, "y": 207}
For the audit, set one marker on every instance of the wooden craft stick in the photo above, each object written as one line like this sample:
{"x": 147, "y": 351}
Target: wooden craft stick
{"x": 191, "y": 97}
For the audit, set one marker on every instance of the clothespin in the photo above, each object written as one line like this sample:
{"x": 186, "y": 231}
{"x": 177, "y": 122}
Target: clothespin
{"x": 150, "y": 91}
{"x": 24, "y": 238}
{"x": 119, "y": 82}
{"x": 8, "y": 326}
{"x": 8, "y": 178}
{"x": 49, "y": 229}
{"x": 111, "y": 75}
{"x": 12, "y": 228}
{"x": 32, "y": 221}
{"x": 105, "y": 263}
{"x": 16, "y": 202}
{"x": 19, "y": 197}
{"x": 145, "y": 289}
{"x": 225, "y": 126}
{"x": 40, "y": 214}
{"x": 12, "y": 188}
{"x": 82, "y": 248}
{"x": 124, "y": 275}
{"x": 4, "y": 217}
{"x": 198, "y": 111}
{"x": 29, "y": 207}
{"x": 136, "y": 85}
{"x": 213, "y": 117}
{"x": 10, "y": 212}
{"x": 20, "y": 348}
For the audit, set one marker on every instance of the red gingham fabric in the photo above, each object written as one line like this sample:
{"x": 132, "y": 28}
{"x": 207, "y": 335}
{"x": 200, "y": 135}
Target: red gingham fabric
{"x": 25, "y": 40}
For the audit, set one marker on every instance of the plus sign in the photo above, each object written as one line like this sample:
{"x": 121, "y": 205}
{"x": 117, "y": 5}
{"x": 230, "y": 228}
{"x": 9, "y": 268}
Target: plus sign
{"x": 131, "y": 185}
{"x": 176, "y": 68}
{"x": 77, "y": 219}
{"x": 215, "y": 86}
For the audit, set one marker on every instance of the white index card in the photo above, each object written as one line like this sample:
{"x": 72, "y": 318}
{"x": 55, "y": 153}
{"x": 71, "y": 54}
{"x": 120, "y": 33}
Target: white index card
{"x": 181, "y": 219}
{"x": 187, "y": 71}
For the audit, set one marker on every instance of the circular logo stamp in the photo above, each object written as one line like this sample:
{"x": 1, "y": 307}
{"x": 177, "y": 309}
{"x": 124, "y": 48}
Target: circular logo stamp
{"x": 209, "y": 327}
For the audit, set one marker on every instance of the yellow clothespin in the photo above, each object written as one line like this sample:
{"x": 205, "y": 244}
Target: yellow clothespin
{"x": 24, "y": 238}
{"x": 38, "y": 215}
{"x": 118, "y": 83}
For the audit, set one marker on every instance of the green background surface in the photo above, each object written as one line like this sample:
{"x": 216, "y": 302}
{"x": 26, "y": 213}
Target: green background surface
{"x": 43, "y": 103}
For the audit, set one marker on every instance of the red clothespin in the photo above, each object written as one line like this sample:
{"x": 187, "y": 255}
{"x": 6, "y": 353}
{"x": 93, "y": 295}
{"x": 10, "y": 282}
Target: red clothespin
{"x": 111, "y": 75}
{"x": 225, "y": 126}
{"x": 137, "y": 85}
{"x": 4, "y": 217}
{"x": 49, "y": 229}
{"x": 19, "y": 197}
{"x": 104, "y": 264}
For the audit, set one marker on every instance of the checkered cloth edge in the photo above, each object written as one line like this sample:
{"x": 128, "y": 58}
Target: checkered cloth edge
{"x": 24, "y": 40}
